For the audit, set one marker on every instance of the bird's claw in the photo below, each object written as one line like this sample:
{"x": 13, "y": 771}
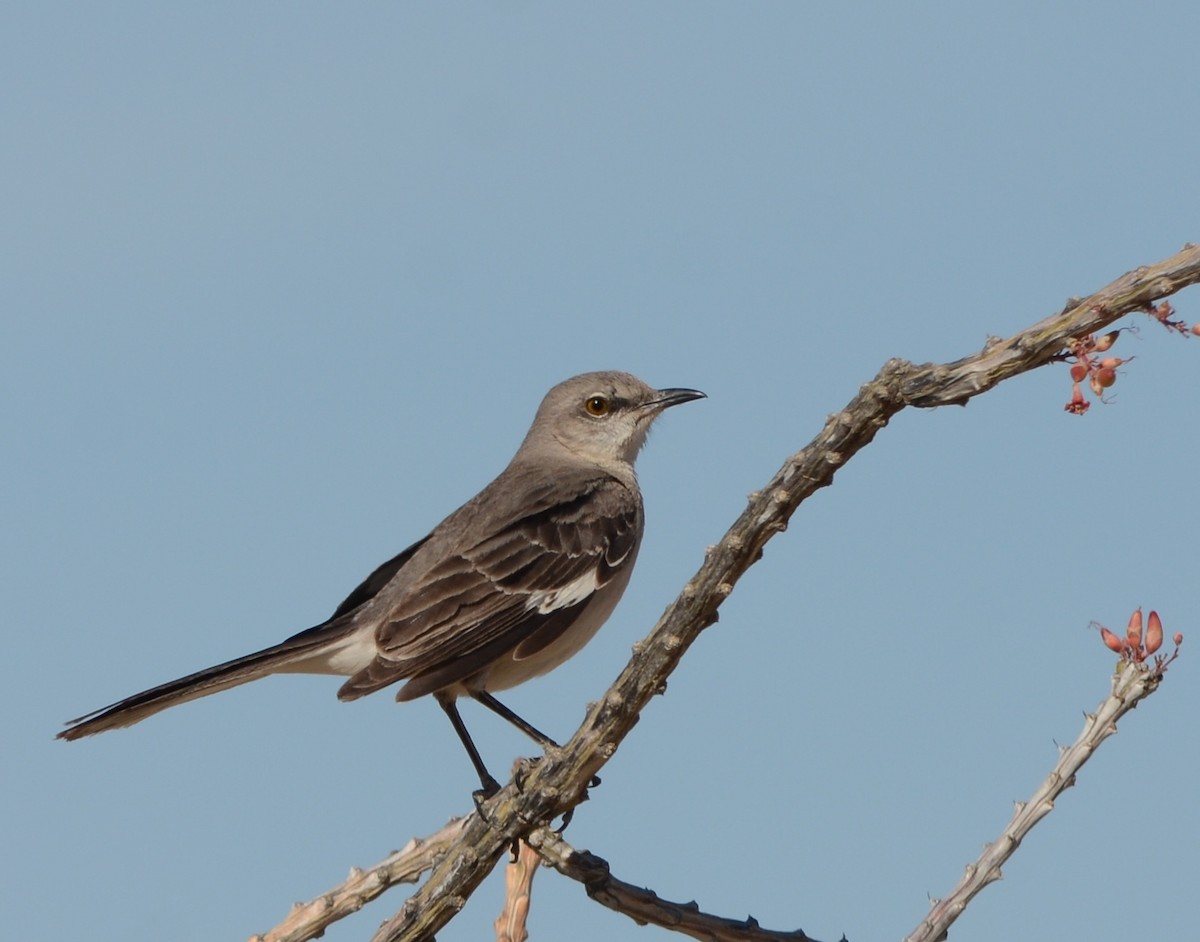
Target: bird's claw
{"x": 488, "y": 790}
{"x": 570, "y": 812}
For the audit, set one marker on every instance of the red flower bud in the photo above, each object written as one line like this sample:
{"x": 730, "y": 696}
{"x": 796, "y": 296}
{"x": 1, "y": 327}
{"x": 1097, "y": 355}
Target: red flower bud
{"x": 1154, "y": 633}
{"x": 1078, "y": 373}
{"x": 1196, "y": 329}
{"x": 1078, "y": 405}
{"x": 1178, "y": 639}
{"x": 1106, "y": 377}
{"x": 1133, "y": 633}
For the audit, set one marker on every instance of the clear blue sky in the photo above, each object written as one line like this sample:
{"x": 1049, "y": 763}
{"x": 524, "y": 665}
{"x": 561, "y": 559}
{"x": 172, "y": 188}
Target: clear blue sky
{"x": 283, "y": 285}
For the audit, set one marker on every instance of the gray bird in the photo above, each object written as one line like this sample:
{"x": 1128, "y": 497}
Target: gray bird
{"x": 504, "y": 589}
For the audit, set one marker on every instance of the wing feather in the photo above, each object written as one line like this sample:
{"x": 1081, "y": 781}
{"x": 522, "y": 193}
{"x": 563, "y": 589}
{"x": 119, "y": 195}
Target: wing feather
{"x": 527, "y": 580}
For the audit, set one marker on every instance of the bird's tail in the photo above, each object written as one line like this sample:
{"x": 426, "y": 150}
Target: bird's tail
{"x": 308, "y": 646}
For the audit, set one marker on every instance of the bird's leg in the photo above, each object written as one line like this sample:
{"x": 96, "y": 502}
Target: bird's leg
{"x": 501, "y": 710}
{"x": 529, "y": 730}
{"x": 489, "y": 785}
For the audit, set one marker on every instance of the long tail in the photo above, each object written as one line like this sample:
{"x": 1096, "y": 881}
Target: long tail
{"x": 308, "y": 647}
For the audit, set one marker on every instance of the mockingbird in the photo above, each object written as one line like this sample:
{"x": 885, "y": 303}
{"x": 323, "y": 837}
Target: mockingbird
{"x": 507, "y": 587}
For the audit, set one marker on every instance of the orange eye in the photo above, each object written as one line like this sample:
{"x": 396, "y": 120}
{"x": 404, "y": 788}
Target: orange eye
{"x": 596, "y": 405}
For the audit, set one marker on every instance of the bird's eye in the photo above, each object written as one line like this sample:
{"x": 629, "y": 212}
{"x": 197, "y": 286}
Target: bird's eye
{"x": 596, "y": 405}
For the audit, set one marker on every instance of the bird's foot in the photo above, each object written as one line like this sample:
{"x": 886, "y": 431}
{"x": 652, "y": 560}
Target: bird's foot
{"x": 488, "y": 790}
{"x": 570, "y": 812}
{"x": 521, "y": 769}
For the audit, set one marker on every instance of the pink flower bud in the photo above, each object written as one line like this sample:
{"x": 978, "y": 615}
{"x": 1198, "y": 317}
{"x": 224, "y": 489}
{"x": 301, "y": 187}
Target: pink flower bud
{"x": 1106, "y": 377}
{"x": 1110, "y": 363}
{"x": 1178, "y": 639}
{"x": 1133, "y": 633}
{"x": 1162, "y": 311}
{"x": 1112, "y": 641}
{"x": 1078, "y": 373}
{"x": 1154, "y": 633}
{"x": 1106, "y": 341}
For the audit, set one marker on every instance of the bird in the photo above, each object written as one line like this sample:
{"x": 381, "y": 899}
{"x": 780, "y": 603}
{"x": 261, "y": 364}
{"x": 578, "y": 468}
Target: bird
{"x": 507, "y": 587}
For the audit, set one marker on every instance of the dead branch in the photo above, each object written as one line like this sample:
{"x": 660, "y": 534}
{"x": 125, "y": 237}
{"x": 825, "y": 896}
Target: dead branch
{"x": 310, "y": 920}
{"x": 644, "y": 906}
{"x": 1131, "y": 684}
{"x": 518, "y": 885}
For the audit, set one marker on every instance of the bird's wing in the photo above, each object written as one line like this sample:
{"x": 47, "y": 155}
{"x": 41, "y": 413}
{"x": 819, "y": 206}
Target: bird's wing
{"x": 525, "y": 582}
{"x": 370, "y": 586}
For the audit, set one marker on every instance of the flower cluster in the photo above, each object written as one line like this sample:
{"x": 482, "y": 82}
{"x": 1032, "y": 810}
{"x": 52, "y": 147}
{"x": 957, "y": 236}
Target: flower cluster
{"x": 1162, "y": 312}
{"x": 1138, "y": 645}
{"x": 1100, "y": 371}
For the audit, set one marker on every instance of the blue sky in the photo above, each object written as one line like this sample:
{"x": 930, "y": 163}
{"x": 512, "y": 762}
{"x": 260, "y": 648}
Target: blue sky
{"x": 283, "y": 286}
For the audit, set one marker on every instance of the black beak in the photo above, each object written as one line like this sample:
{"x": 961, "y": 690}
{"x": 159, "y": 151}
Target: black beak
{"x": 673, "y": 397}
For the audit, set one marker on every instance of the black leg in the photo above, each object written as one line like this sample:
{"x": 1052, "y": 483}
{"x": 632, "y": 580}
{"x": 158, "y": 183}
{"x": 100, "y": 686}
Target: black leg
{"x": 531, "y": 731}
{"x": 489, "y": 785}
{"x": 501, "y": 710}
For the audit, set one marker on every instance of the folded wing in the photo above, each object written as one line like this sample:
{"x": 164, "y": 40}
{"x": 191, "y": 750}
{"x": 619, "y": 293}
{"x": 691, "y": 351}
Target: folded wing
{"x": 514, "y": 590}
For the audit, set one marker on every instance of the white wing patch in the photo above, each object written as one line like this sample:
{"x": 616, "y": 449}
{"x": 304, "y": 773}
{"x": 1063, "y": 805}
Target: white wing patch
{"x": 574, "y": 592}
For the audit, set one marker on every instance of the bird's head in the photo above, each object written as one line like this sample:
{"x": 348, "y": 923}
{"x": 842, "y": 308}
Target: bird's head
{"x": 603, "y": 417}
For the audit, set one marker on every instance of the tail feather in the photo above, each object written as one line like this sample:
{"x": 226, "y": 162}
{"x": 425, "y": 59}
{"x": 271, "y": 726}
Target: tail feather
{"x": 134, "y": 709}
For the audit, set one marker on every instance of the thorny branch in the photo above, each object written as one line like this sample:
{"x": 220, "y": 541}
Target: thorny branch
{"x": 644, "y": 906}
{"x": 558, "y": 782}
{"x": 1131, "y": 684}
{"x": 310, "y": 920}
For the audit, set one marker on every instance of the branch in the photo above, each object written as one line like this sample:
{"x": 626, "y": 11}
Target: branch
{"x": 310, "y": 920}
{"x": 558, "y": 781}
{"x": 644, "y": 906}
{"x": 518, "y": 885}
{"x": 1131, "y": 684}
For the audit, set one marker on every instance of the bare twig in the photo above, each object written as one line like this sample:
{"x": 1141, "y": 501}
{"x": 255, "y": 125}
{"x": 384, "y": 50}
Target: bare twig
{"x": 1131, "y": 684}
{"x": 559, "y": 781}
{"x": 310, "y": 920}
{"x": 644, "y": 906}
{"x": 518, "y": 885}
